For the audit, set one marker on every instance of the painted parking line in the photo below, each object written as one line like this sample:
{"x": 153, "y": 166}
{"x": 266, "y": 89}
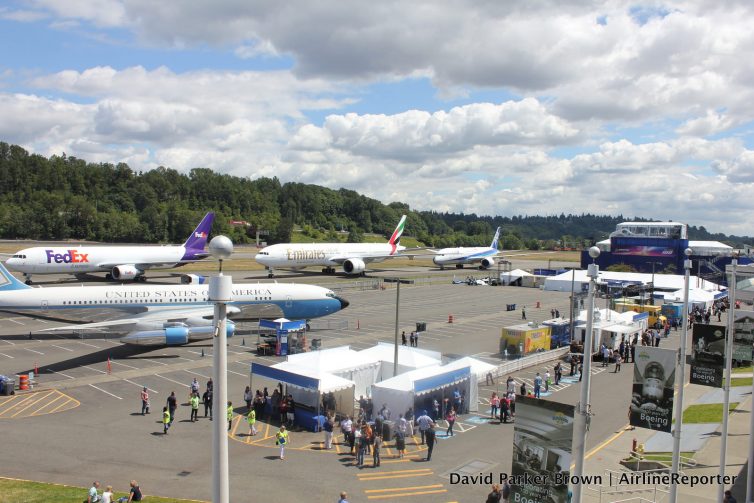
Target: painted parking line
{"x": 107, "y": 392}
{"x": 62, "y": 347}
{"x": 56, "y": 372}
{"x": 404, "y": 491}
{"x": 92, "y": 368}
{"x": 36, "y": 404}
{"x": 87, "y": 344}
{"x": 34, "y": 351}
{"x": 9, "y": 356}
{"x": 123, "y": 364}
{"x": 171, "y": 380}
{"x": 142, "y": 386}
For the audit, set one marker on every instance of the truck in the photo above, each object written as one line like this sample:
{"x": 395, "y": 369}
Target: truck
{"x": 655, "y": 312}
{"x": 520, "y": 340}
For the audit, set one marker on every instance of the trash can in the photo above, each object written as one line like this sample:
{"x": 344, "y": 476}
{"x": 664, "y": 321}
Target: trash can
{"x": 388, "y": 427}
{"x": 7, "y": 387}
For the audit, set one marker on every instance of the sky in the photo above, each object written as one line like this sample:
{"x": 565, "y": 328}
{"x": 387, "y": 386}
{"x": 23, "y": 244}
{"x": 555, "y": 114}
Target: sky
{"x": 493, "y": 107}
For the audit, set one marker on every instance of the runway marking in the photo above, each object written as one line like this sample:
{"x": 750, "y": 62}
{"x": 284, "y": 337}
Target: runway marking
{"x": 141, "y": 386}
{"x": 15, "y": 321}
{"x": 64, "y": 375}
{"x": 63, "y": 348}
{"x": 238, "y": 373}
{"x": 154, "y": 361}
{"x": 172, "y": 380}
{"x": 87, "y": 344}
{"x": 23, "y": 403}
{"x": 9, "y": 356}
{"x": 123, "y": 364}
{"x": 9, "y": 342}
{"x": 197, "y": 374}
{"x": 34, "y": 351}
{"x": 92, "y": 368}
{"x": 103, "y": 391}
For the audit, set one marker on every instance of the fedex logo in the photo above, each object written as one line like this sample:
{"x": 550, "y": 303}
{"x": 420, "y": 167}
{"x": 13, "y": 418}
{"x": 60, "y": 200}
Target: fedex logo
{"x": 200, "y": 235}
{"x": 73, "y": 256}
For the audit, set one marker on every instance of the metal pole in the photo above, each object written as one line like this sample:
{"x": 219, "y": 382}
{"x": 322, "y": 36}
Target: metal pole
{"x": 220, "y": 292}
{"x": 573, "y": 279}
{"x": 750, "y": 469}
{"x": 728, "y": 372}
{"x": 397, "y": 304}
{"x": 581, "y": 421}
{"x": 680, "y": 377}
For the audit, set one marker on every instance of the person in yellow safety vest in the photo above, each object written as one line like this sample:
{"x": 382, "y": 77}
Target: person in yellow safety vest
{"x": 282, "y": 438}
{"x": 230, "y": 414}
{"x": 165, "y": 420}
{"x": 252, "y": 419}
{"x": 194, "y": 407}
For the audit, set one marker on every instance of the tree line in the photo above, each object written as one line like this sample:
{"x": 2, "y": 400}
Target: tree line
{"x": 63, "y": 197}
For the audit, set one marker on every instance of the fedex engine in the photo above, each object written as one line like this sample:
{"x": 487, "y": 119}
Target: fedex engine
{"x": 175, "y": 335}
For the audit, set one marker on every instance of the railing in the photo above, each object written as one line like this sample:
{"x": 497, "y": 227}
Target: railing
{"x": 615, "y": 488}
{"x": 527, "y": 361}
{"x": 327, "y": 324}
{"x": 684, "y": 461}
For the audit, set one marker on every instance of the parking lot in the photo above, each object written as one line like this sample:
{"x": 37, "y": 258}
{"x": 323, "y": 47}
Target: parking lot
{"x": 84, "y": 419}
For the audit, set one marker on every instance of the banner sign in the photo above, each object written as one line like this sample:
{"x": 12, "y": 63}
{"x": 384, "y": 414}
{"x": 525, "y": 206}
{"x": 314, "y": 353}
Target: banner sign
{"x": 645, "y": 251}
{"x": 542, "y": 439}
{"x": 654, "y": 379}
{"x": 743, "y": 336}
{"x": 708, "y": 355}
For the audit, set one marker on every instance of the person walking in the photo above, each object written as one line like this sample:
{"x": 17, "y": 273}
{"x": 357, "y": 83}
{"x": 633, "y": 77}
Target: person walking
{"x": 403, "y": 338}
{"x": 194, "y": 387}
{"x": 166, "y": 417}
{"x": 548, "y": 381}
{"x": 343, "y": 497}
{"x": 251, "y": 418}
{"x": 416, "y": 339}
{"x": 400, "y": 443}
{"x": 431, "y": 437}
{"x": 247, "y": 397}
{"x": 451, "y": 419}
{"x": 558, "y": 370}
{"x": 618, "y": 360}
{"x": 504, "y": 409}
{"x": 537, "y": 385}
{"x": 412, "y": 339}
{"x": 230, "y": 414}
{"x": 424, "y": 422}
{"x": 144, "y": 401}
{"x": 494, "y": 405}
{"x": 194, "y": 407}
{"x": 523, "y": 312}
{"x": 172, "y": 405}
{"x": 363, "y": 444}
{"x": 495, "y": 496}
{"x": 281, "y": 439}
{"x": 728, "y": 497}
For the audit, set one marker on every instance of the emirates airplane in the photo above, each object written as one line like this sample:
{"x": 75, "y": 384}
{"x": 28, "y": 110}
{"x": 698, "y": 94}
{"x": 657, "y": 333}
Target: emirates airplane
{"x": 352, "y": 257}
{"x": 160, "y": 314}
{"x": 120, "y": 262}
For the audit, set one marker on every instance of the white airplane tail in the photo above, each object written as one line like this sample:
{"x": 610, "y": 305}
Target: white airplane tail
{"x": 495, "y": 239}
{"x": 10, "y": 282}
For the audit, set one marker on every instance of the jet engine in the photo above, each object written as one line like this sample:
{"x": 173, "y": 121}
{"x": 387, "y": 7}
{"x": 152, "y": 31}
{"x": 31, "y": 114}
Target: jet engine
{"x": 193, "y": 279}
{"x": 487, "y": 263}
{"x": 354, "y": 266}
{"x": 175, "y": 335}
{"x": 121, "y": 272}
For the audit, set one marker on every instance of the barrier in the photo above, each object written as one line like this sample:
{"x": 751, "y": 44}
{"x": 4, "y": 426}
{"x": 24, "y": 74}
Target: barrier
{"x": 450, "y": 318}
{"x": 23, "y": 382}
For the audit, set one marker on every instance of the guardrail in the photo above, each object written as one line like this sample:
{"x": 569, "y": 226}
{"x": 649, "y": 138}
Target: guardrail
{"x": 684, "y": 461}
{"x": 616, "y": 488}
{"x": 528, "y": 361}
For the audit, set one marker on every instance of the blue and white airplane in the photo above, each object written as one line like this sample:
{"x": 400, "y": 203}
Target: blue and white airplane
{"x": 161, "y": 314}
{"x": 482, "y": 255}
{"x": 120, "y": 262}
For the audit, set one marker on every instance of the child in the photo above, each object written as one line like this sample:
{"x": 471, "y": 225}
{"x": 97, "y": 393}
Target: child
{"x": 165, "y": 420}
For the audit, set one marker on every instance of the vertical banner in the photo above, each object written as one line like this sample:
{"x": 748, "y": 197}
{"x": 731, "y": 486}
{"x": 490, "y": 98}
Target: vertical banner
{"x": 743, "y": 337}
{"x": 708, "y": 355}
{"x": 654, "y": 379}
{"x": 542, "y": 440}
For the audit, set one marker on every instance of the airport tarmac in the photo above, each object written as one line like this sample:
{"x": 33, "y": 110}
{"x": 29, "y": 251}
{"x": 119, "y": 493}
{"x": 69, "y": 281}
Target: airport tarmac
{"x": 83, "y": 421}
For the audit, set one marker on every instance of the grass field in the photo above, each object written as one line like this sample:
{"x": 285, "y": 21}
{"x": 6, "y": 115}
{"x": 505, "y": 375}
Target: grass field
{"x": 741, "y": 381}
{"x": 742, "y": 370}
{"x": 706, "y": 413}
{"x": 13, "y": 490}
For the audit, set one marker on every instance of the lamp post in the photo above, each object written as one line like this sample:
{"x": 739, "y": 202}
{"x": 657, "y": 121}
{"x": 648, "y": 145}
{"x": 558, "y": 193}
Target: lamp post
{"x": 652, "y": 291}
{"x": 220, "y": 293}
{"x": 583, "y": 412}
{"x": 728, "y": 372}
{"x": 397, "y": 318}
{"x": 681, "y": 377}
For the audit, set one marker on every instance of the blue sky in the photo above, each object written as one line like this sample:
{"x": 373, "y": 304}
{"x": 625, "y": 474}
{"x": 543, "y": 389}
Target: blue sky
{"x": 630, "y": 108}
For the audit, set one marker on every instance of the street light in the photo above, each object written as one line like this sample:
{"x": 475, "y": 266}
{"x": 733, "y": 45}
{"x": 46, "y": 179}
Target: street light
{"x": 583, "y": 414}
{"x": 681, "y": 377}
{"x": 652, "y": 292}
{"x": 220, "y": 293}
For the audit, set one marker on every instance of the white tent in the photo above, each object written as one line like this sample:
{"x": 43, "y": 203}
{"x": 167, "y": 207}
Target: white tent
{"x": 697, "y": 297}
{"x": 417, "y": 388}
{"x": 408, "y": 358}
{"x": 344, "y": 362}
{"x": 479, "y": 370}
{"x": 509, "y": 277}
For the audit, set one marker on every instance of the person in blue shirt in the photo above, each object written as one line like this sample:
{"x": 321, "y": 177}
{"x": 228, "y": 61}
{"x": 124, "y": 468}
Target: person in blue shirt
{"x": 537, "y": 385}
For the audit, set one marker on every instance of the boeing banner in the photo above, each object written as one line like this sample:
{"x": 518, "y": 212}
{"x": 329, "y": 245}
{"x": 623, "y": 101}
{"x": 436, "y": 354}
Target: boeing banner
{"x": 645, "y": 251}
{"x": 708, "y": 355}
{"x": 652, "y": 397}
{"x": 743, "y": 336}
{"x": 542, "y": 439}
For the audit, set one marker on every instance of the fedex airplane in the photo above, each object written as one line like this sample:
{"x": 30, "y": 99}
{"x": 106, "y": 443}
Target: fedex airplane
{"x": 352, "y": 257}
{"x": 161, "y": 314}
{"x": 120, "y": 262}
{"x": 468, "y": 255}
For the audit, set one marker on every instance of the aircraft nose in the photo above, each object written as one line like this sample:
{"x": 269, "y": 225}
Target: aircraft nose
{"x": 343, "y": 302}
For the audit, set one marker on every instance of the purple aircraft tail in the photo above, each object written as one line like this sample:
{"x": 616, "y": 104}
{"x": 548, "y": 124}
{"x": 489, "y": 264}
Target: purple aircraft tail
{"x": 198, "y": 239}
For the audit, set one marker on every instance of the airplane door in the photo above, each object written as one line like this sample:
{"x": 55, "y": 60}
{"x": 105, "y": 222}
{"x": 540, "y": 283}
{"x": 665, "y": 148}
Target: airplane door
{"x": 44, "y": 305}
{"x": 288, "y": 301}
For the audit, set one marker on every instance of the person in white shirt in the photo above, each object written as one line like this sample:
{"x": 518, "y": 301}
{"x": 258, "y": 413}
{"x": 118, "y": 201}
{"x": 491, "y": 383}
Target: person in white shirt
{"x": 107, "y": 496}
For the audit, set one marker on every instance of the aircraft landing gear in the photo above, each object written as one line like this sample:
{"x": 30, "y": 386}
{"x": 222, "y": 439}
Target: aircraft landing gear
{"x": 328, "y": 270}
{"x": 459, "y": 266}
{"x": 270, "y": 273}
{"x": 141, "y": 279}
{"x": 109, "y": 276}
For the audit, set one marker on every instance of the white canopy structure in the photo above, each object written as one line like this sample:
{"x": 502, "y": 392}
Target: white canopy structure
{"x": 408, "y": 358}
{"x": 509, "y": 277}
{"x": 479, "y": 370}
{"x": 360, "y": 368}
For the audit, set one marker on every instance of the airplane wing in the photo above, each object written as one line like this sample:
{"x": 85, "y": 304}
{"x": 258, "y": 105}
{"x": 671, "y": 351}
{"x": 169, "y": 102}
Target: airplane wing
{"x": 148, "y": 317}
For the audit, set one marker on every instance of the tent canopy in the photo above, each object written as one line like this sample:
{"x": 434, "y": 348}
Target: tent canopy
{"x": 407, "y": 356}
{"x": 333, "y": 360}
{"x": 302, "y": 377}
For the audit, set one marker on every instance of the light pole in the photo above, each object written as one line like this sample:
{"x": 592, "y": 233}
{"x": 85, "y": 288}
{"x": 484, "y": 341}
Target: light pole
{"x": 652, "y": 292}
{"x": 583, "y": 412}
{"x": 680, "y": 377}
{"x": 728, "y": 372}
{"x": 220, "y": 293}
{"x": 397, "y": 318}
